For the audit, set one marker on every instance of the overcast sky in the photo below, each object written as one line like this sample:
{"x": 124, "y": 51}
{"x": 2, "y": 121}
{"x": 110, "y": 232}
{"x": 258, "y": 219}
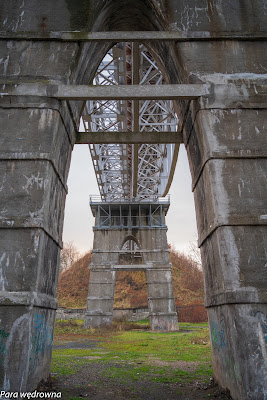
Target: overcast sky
{"x": 78, "y": 222}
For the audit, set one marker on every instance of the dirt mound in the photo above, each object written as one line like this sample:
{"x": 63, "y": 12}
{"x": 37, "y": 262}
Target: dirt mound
{"x": 130, "y": 288}
{"x": 73, "y": 284}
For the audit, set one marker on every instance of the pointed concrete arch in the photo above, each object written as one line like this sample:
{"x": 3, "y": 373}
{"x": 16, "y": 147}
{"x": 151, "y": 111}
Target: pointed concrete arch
{"x": 133, "y": 238}
{"x": 225, "y": 137}
{"x": 120, "y": 16}
{"x": 133, "y": 254}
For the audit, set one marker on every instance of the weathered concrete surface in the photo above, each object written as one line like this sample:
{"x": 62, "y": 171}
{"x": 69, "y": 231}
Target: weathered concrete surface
{"x": 33, "y": 176}
{"x": 107, "y": 246}
{"x": 106, "y": 260}
{"x": 226, "y": 149}
{"x": 113, "y": 92}
{"x": 35, "y": 148}
{"x": 238, "y": 338}
{"x": 26, "y": 344}
{"x": 119, "y": 314}
{"x": 100, "y": 297}
{"x": 227, "y": 153}
{"x": 128, "y": 137}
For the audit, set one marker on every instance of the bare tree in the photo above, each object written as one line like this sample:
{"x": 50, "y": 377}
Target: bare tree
{"x": 68, "y": 255}
{"x": 195, "y": 253}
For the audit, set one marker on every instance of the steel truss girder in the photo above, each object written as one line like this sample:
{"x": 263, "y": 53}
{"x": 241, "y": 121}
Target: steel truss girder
{"x": 126, "y": 171}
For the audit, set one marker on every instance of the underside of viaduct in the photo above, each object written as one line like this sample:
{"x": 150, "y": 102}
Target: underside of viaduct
{"x": 218, "y": 43}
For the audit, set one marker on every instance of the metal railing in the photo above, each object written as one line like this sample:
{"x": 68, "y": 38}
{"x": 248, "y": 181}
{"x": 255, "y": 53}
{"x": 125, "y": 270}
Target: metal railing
{"x": 96, "y": 199}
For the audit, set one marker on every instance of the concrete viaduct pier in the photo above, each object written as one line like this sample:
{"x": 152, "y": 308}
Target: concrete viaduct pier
{"x": 131, "y": 237}
{"x": 215, "y": 51}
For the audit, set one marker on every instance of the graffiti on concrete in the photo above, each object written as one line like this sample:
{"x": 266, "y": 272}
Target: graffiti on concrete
{"x": 3, "y": 336}
{"x": 42, "y": 338}
{"x": 259, "y": 351}
{"x": 233, "y": 370}
{"x": 218, "y": 336}
{"x": 256, "y": 357}
{"x": 264, "y": 330}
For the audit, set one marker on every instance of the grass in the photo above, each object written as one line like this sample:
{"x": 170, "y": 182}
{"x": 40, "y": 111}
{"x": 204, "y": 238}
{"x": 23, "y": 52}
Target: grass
{"x": 134, "y": 346}
{"x": 131, "y": 355}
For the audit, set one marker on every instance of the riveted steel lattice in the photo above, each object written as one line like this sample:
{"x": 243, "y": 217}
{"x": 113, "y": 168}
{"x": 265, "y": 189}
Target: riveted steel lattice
{"x": 130, "y": 171}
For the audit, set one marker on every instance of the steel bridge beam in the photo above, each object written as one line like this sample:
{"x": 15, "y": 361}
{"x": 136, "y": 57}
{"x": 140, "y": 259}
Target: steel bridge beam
{"x": 136, "y": 80}
{"x": 128, "y": 137}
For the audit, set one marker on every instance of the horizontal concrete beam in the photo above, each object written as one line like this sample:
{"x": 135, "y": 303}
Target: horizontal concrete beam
{"x": 130, "y": 251}
{"x": 238, "y": 93}
{"x": 134, "y": 36}
{"x": 128, "y": 137}
{"x": 236, "y": 220}
{"x": 131, "y": 267}
{"x": 28, "y": 299}
{"x": 112, "y": 92}
{"x": 239, "y": 296}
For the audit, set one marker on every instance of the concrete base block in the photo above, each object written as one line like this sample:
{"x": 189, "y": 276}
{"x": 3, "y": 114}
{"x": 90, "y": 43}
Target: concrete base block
{"x": 100, "y": 298}
{"x": 96, "y": 321}
{"x": 239, "y": 349}
{"x": 167, "y": 323}
{"x": 161, "y": 303}
{"x": 26, "y": 336}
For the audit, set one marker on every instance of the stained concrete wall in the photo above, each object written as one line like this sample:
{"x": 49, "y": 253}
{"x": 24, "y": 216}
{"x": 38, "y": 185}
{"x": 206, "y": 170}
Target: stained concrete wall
{"x": 108, "y": 243}
{"x": 226, "y": 148}
{"x": 35, "y": 147}
{"x": 153, "y": 247}
{"x": 119, "y": 314}
{"x": 227, "y": 151}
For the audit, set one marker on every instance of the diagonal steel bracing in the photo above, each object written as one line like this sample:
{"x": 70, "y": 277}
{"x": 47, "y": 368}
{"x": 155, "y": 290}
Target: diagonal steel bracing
{"x": 127, "y": 171}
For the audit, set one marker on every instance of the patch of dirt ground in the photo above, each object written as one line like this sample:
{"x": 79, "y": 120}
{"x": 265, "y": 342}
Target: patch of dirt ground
{"x": 120, "y": 380}
{"x": 184, "y": 365}
{"x": 92, "y": 382}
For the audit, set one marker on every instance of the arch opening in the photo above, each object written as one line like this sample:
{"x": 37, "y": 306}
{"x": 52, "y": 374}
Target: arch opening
{"x": 130, "y": 252}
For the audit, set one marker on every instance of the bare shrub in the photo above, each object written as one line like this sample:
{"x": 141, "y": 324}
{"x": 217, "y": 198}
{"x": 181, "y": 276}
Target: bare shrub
{"x": 193, "y": 313}
{"x": 68, "y": 256}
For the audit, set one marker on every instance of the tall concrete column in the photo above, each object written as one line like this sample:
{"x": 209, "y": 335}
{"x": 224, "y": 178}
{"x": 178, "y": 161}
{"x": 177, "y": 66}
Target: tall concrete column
{"x": 227, "y": 151}
{"x": 100, "y": 297}
{"x": 161, "y": 303}
{"x": 35, "y": 147}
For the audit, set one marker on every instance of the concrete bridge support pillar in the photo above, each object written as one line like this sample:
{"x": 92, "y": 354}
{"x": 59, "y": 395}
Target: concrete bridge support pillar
{"x": 100, "y": 297}
{"x": 161, "y": 302}
{"x": 227, "y": 152}
{"x": 35, "y": 154}
{"x": 125, "y": 240}
{"x": 33, "y": 176}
